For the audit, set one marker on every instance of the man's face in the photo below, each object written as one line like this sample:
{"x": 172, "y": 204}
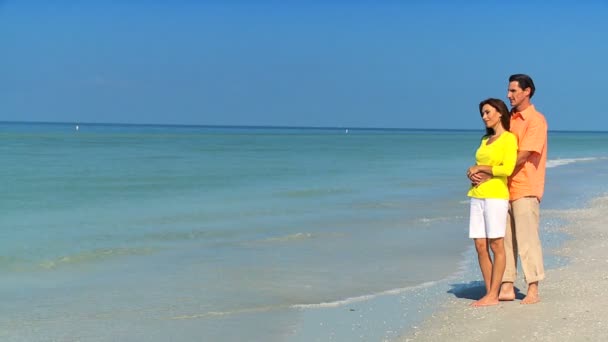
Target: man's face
{"x": 517, "y": 95}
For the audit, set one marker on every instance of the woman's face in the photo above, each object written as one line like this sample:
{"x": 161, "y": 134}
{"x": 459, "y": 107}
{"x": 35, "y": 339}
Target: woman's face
{"x": 490, "y": 116}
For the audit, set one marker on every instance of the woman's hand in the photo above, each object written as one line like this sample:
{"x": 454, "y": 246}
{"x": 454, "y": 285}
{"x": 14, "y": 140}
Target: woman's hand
{"x": 472, "y": 170}
{"x": 477, "y": 175}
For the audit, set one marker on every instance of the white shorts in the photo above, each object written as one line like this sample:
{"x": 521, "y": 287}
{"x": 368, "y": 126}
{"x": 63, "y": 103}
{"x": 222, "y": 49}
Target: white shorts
{"x": 488, "y": 218}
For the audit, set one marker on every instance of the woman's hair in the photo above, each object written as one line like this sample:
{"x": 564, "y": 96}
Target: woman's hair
{"x": 501, "y": 107}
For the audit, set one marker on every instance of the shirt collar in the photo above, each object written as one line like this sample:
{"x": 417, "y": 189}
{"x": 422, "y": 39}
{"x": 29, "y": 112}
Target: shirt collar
{"x": 526, "y": 112}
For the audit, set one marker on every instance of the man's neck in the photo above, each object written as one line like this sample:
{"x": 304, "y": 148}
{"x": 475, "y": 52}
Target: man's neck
{"x": 522, "y": 107}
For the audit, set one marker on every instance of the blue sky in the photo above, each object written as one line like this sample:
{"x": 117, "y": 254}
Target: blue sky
{"x": 412, "y": 64}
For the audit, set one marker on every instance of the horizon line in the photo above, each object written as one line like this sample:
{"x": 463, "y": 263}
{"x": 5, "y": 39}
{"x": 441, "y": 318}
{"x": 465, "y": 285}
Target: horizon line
{"x": 266, "y": 126}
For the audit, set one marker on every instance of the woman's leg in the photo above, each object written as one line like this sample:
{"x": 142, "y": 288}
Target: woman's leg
{"x": 498, "y": 268}
{"x": 485, "y": 262}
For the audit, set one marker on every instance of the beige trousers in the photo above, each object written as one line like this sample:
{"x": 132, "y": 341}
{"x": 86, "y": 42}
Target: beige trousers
{"x": 522, "y": 239}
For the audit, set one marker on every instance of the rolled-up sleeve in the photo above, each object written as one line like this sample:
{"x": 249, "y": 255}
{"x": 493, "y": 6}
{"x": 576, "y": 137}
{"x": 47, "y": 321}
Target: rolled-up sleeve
{"x": 536, "y": 135}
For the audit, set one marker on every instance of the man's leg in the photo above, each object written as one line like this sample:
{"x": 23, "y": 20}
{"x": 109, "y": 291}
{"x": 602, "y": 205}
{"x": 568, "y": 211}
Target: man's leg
{"x": 526, "y": 214}
{"x": 507, "y": 291}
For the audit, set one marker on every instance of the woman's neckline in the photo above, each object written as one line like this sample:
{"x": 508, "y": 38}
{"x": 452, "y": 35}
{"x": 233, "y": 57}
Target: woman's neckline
{"x": 494, "y": 137}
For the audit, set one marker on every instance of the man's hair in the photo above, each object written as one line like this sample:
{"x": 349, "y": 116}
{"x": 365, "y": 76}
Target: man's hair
{"x": 524, "y": 82}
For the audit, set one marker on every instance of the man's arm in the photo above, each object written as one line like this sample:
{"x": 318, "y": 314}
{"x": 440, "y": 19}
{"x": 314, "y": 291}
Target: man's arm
{"x": 522, "y": 156}
{"x": 483, "y": 174}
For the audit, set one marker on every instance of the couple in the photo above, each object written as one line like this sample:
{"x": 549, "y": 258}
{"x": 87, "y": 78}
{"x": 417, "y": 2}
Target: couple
{"x": 507, "y": 185}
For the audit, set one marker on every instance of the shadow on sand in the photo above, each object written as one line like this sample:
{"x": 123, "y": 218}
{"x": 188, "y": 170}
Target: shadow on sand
{"x": 474, "y": 290}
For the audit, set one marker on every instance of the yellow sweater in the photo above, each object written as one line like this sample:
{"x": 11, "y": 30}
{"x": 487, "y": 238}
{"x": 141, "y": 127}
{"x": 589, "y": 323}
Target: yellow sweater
{"x": 501, "y": 154}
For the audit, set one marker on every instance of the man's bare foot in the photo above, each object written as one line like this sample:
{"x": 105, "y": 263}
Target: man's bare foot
{"x": 485, "y": 301}
{"x": 530, "y": 299}
{"x": 532, "y": 296}
{"x": 507, "y": 292}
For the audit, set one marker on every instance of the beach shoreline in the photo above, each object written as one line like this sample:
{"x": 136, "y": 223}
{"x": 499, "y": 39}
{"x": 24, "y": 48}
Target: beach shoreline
{"x": 573, "y": 297}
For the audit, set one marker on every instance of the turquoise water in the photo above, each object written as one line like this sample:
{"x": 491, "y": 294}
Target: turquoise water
{"x": 153, "y": 233}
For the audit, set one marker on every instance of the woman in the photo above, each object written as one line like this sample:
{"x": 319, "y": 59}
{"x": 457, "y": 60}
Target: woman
{"x": 495, "y": 156}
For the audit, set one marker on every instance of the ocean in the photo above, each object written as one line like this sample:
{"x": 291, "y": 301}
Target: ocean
{"x": 195, "y": 233}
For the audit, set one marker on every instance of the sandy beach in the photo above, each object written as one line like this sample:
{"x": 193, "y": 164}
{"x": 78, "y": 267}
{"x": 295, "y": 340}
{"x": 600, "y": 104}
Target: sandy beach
{"x": 574, "y": 298}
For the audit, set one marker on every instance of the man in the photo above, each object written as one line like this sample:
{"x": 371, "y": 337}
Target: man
{"x": 526, "y": 186}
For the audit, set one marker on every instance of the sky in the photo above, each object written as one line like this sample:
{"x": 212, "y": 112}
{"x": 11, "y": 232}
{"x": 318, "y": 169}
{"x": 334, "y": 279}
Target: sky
{"x": 332, "y": 63}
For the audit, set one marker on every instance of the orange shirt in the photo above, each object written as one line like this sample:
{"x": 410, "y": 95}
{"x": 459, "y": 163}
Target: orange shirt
{"x": 530, "y": 127}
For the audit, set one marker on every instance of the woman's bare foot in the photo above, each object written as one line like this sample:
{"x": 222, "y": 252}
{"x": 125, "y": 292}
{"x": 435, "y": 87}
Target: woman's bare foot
{"x": 485, "y": 301}
{"x": 507, "y": 292}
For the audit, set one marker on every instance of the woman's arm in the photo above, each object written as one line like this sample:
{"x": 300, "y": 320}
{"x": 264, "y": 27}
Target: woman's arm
{"x": 481, "y": 173}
